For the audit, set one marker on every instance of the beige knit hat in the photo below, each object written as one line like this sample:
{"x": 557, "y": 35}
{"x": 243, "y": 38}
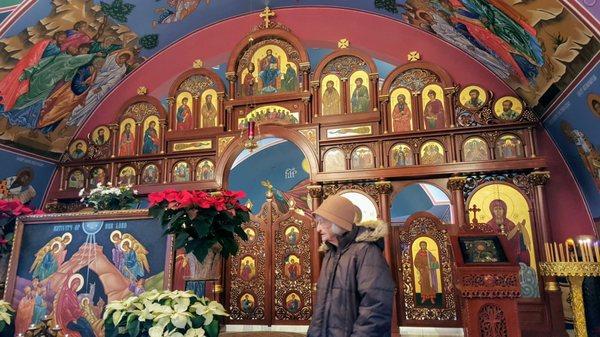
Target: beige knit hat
{"x": 340, "y": 211}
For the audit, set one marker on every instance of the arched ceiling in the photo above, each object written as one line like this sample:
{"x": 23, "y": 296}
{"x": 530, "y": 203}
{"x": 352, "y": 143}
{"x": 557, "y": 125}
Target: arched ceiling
{"x": 536, "y": 47}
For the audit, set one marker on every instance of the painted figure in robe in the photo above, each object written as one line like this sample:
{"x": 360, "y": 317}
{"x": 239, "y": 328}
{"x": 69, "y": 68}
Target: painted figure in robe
{"x": 18, "y": 186}
{"x": 474, "y": 101}
{"x": 208, "y": 113}
{"x": 293, "y": 303}
{"x": 427, "y": 266}
{"x": 25, "y": 311}
{"x": 177, "y": 11}
{"x": 401, "y": 115}
{"x": 290, "y": 79}
{"x": 249, "y": 81}
{"x": 184, "y": 116}
{"x": 269, "y": 71}
{"x": 434, "y": 112}
{"x": 127, "y": 142}
{"x": 151, "y": 139}
{"x": 432, "y": 155}
{"x": 507, "y": 111}
{"x": 360, "y": 97}
{"x": 69, "y": 315}
{"x": 331, "y": 100}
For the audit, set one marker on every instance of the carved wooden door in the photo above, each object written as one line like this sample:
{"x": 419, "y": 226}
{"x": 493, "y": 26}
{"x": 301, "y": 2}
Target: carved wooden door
{"x": 270, "y": 279}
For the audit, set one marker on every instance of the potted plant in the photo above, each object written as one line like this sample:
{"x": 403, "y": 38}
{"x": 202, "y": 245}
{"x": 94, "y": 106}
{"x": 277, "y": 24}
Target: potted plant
{"x": 201, "y": 222}
{"x": 163, "y": 313}
{"x": 7, "y": 315}
{"x": 109, "y": 198}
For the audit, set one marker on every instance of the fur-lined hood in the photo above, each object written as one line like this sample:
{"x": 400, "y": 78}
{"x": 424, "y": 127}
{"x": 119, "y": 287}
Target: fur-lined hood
{"x": 366, "y": 231}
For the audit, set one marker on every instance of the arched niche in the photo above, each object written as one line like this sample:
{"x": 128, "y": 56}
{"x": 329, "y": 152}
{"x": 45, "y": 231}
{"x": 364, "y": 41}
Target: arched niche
{"x": 138, "y": 112}
{"x": 194, "y": 85}
{"x": 367, "y": 205}
{"x": 417, "y": 197}
{"x": 232, "y": 150}
{"x": 336, "y": 77}
{"x": 417, "y": 79}
{"x": 290, "y": 51}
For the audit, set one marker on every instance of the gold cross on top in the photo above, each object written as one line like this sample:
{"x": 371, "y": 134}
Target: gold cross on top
{"x": 266, "y": 16}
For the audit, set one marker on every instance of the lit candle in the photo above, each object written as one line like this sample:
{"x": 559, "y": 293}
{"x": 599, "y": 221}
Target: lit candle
{"x": 583, "y": 252}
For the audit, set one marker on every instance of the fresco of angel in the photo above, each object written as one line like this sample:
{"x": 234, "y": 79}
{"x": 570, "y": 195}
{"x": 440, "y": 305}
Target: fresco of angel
{"x": 50, "y": 257}
{"x": 135, "y": 262}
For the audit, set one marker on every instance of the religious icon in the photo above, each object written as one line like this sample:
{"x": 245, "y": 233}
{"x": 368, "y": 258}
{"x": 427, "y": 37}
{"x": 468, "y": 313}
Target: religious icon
{"x": 586, "y": 149}
{"x": 293, "y": 303}
{"x": 360, "y": 100}
{"x": 78, "y": 149}
{"x": 247, "y": 268}
{"x": 473, "y": 97}
{"x": 151, "y": 143}
{"x": 247, "y": 303}
{"x": 334, "y": 160}
{"x": 292, "y": 268}
{"x": 97, "y": 176}
{"x": 593, "y": 101}
{"x": 76, "y": 180}
{"x": 426, "y": 263}
{"x": 100, "y": 135}
{"x": 50, "y": 257}
{"x": 181, "y": 172}
{"x": 432, "y": 153}
{"x": 205, "y": 170}
{"x": 482, "y": 249}
{"x": 127, "y": 138}
{"x": 401, "y": 155}
{"x": 127, "y": 176}
{"x": 290, "y": 82}
{"x": 508, "y": 108}
{"x": 250, "y": 233}
{"x": 475, "y": 149}
{"x": 18, "y": 186}
{"x": 208, "y": 109}
{"x": 331, "y": 104}
{"x": 150, "y": 174}
{"x": 509, "y": 146}
{"x": 249, "y": 81}
{"x": 269, "y": 72}
{"x": 401, "y": 108}
{"x": 183, "y": 112}
{"x": 362, "y": 158}
{"x": 433, "y": 101}
{"x": 502, "y": 209}
{"x": 292, "y": 234}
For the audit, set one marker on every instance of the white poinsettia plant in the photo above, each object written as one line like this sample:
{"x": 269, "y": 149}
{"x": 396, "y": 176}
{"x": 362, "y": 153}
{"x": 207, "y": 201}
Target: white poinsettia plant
{"x": 163, "y": 314}
{"x": 108, "y": 197}
{"x": 7, "y": 314}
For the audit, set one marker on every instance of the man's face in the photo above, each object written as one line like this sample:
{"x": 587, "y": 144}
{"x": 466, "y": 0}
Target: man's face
{"x": 401, "y": 99}
{"x": 101, "y": 133}
{"x": 506, "y": 105}
{"x": 269, "y": 52}
{"x": 122, "y": 59}
{"x": 358, "y": 82}
{"x": 208, "y": 98}
{"x": 324, "y": 229}
{"x": 84, "y": 50}
{"x": 61, "y": 38}
{"x": 329, "y": 84}
{"x": 79, "y": 146}
{"x": 423, "y": 245}
{"x": 474, "y": 95}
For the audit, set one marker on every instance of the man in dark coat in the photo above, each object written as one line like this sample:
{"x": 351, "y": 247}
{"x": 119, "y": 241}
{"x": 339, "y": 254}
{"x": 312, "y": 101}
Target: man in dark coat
{"x": 355, "y": 289}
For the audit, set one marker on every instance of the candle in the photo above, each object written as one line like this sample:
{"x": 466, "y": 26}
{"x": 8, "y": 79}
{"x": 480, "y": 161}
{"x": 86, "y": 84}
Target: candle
{"x": 583, "y": 252}
{"x": 561, "y": 252}
{"x": 588, "y": 244}
{"x": 547, "y": 251}
{"x": 597, "y": 250}
{"x": 556, "y": 256}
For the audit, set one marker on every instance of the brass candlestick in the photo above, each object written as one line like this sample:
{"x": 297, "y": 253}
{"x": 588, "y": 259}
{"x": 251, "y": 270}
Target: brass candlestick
{"x": 574, "y": 263}
{"x": 42, "y": 329}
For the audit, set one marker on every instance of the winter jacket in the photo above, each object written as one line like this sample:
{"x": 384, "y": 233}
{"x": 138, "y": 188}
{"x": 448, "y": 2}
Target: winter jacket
{"x": 355, "y": 289}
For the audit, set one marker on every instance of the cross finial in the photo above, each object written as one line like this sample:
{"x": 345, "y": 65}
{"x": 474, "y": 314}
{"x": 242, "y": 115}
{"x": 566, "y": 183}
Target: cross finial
{"x": 266, "y": 16}
{"x": 474, "y": 210}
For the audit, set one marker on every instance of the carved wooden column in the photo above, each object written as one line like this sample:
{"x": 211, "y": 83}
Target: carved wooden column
{"x": 538, "y": 179}
{"x": 383, "y": 108}
{"x": 221, "y": 115}
{"x": 305, "y": 69}
{"x": 385, "y": 188}
{"x": 316, "y": 193}
{"x": 139, "y": 137}
{"x": 449, "y": 92}
{"x": 232, "y": 78}
{"x": 163, "y": 126}
{"x": 307, "y": 109}
{"x": 345, "y": 89}
{"x": 114, "y": 130}
{"x": 171, "y": 112}
{"x": 374, "y": 78}
{"x": 456, "y": 185}
{"x": 316, "y": 98}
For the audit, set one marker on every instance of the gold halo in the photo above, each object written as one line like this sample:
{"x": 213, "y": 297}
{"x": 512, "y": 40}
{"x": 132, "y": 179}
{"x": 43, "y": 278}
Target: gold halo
{"x": 123, "y": 242}
{"x": 590, "y": 100}
{"x": 72, "y": 278}
{"x": 67, "y": 238}
{"x": 55, "y": 243}
{"x": 84, "y": 300}
{"x": 113, "y": 234}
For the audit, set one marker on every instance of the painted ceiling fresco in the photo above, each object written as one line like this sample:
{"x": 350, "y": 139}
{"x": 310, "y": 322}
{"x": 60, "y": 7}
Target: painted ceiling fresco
{"x": 62, "y": 57}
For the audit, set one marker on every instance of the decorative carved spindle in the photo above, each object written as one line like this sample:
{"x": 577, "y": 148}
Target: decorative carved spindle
{"x": 456, "y": 185}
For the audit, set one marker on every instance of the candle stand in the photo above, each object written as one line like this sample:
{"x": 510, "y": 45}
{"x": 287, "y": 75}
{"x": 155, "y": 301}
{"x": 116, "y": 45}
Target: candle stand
{"x": 42, "y": 330}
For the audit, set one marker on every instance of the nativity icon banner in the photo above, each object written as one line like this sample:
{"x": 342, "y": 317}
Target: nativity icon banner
{"x": 70, "y": 266}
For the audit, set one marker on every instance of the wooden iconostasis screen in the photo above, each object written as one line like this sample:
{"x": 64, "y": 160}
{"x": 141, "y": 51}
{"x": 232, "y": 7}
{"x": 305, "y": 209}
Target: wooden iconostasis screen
{"x": 269, "y": 280}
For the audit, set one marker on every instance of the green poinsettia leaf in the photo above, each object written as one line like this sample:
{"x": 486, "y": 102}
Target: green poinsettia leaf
{"x": 181, "y": 239}
{"x": 175, "y": 217}
{"x": 133, "y": 326}
{"x": 212, "y": 330}
{"x": 241, "y": 233}
{"x": 201, "y": 228}
{"x": 197, "y": 321}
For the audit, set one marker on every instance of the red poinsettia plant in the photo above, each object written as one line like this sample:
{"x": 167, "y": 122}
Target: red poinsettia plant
{"x": 199, "y": 220}
{"x": 9, "y": 211}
